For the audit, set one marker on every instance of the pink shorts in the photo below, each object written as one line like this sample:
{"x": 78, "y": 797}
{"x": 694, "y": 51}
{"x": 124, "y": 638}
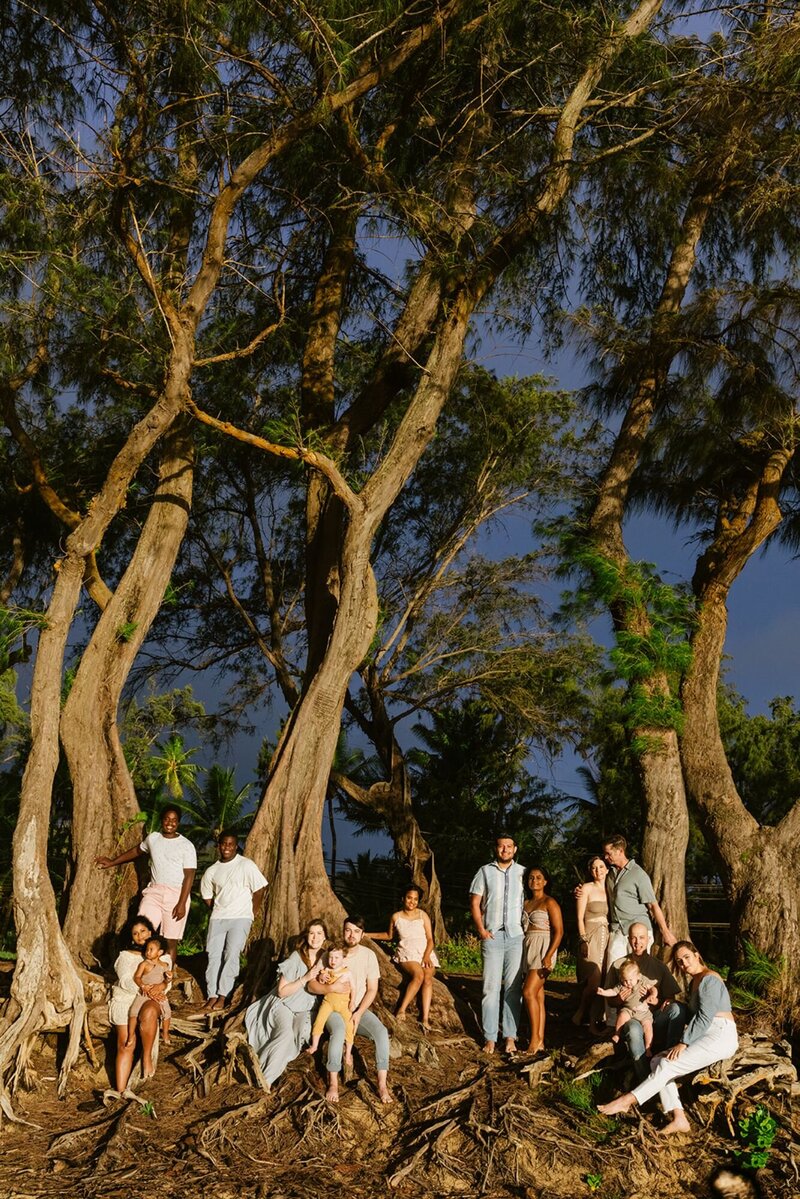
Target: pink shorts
{"x": 157, "y": 903}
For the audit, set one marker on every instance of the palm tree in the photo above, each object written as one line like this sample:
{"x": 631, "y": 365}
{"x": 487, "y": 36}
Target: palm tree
{"x": 175, "y": 770}
{"x": 216, "y": 806}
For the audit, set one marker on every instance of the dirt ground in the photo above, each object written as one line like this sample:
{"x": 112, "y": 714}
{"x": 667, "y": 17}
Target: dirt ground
{"x": 461, "y": 1125}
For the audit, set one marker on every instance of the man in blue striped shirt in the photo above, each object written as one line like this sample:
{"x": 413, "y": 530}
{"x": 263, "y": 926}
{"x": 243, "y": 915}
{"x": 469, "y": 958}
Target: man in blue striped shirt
{"x": 496, "y": 898}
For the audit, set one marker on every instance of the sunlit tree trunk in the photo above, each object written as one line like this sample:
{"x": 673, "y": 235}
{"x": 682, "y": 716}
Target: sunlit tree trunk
{"x": 104, "y": 801}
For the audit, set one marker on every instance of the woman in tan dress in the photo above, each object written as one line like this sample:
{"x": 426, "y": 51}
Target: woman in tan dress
{"x": 543, "y": 927}
{"x": 592, "y": 915}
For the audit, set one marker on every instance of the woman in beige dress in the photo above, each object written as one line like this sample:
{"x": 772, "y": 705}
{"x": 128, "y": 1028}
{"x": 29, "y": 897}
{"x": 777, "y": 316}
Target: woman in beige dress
{"x": 543, "y": 927}
{"x": 592, "y": 915}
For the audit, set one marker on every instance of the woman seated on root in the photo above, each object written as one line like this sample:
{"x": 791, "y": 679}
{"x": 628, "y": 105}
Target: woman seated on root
{"x": 710, "y": 1036}
{"x": 279, "y": 1024}
{"x": 414, "y": 956}
{"x": 543, "y": 926}
{"x": 123, "y": 994}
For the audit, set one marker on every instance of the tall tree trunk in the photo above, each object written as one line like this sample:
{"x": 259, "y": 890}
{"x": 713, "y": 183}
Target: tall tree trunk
{"x": 761, "y": 864}
{"x": 666, "y": 829}
{"x": 46, "y": 991}
{"x": 104, "y": 800}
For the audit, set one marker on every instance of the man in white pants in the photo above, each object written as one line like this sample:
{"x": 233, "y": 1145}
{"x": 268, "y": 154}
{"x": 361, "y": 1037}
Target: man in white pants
{"x": 234, "y": 889}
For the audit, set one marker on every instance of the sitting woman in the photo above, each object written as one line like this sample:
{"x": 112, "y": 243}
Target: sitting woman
{"x": 123, "y": 993}
{"x": 592, "y": 919}
{"x": 414, "y": 956}
{"x": 710, "y": 1036}
{"x": 279, "y": 1024}
{"x": 543, "y": 926}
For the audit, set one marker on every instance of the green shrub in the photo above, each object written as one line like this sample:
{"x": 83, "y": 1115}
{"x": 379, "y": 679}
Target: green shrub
{"x": 756, "y": 1132}
{"x": 461, "y": 955}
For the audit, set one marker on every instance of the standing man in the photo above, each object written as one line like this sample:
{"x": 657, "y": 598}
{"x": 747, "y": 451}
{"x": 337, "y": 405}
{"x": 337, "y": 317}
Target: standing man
{"x": 496, "y": 898}
{"x": 669, "y": 1017}
{"x": 234, "y": 889}
{"x": 631, "y": 899}
{"x": 173, "y": 865}
{"x": 365, "y": 971}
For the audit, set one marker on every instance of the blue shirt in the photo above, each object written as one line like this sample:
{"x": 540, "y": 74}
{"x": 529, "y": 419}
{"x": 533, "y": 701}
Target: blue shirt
{"x": 502, "y": 896}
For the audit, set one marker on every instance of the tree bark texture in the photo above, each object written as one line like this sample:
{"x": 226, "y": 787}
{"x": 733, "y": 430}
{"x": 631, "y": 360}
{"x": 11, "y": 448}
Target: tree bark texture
{"x": 761, "y": 864}
{"x": 104, "y": 800}
{"x": 46, "y": 990}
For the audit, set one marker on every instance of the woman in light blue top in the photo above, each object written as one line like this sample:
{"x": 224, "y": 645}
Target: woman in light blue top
{"x": 279, "y": 1024}
{"x": 710, "y": 1036}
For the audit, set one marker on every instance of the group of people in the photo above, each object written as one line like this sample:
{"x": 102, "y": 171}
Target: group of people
{"x": 330, "y": 985}
{"x": 337, "y": 978}
{"x": 616, "y": 911}
{"x": 233, "y": 888}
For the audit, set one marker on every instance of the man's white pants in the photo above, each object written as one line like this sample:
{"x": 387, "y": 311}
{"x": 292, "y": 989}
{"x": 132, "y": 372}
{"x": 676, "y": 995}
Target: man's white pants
{"x": 718, "y": 1043}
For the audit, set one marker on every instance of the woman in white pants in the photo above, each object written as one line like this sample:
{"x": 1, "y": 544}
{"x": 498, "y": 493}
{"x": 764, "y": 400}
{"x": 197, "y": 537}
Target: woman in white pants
{"x": 710, "y": 1036}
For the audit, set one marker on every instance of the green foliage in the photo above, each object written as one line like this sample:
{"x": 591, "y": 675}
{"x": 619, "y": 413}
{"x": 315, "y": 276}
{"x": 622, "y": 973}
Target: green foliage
{"x": 461, "y": 955}
{"x": 642, "y": 660}
{"x": 126, "y": 630}
{"x": 763, "y": 752}
{"x": 758, "y": 979}
{"x": 757, "y": 1133}
{"x": 593, "y": 1181}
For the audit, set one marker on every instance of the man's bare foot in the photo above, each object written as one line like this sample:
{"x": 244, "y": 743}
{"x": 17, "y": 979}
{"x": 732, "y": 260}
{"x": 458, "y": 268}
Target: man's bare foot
{"x": 332, "y": 1093}
{"x": 616, "y": 1107}
{"x": 678, "y": 1123}
{"x": 385, "y": 1095}
{"x": 209, "y": 1004}
{"x": 489, "y": 1047}
{"x": 219, "y": 1003}
{"x": 615, "y": 1038}
{"x": 510, "y": 1045}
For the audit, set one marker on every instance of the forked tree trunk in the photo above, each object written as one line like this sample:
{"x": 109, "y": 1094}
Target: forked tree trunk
{"x": 104, "y": 800}
{"x": 761, "y": 864}
{"x": 46, "y": 991}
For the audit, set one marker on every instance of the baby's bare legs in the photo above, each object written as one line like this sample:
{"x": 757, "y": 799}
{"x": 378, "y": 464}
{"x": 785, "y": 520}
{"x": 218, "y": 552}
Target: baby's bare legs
{"x": 623, "y": 1016}
{"x": 165, "y": 1023}
{"x": 131, "y": 1038}
{"x": 647, "y": 1029}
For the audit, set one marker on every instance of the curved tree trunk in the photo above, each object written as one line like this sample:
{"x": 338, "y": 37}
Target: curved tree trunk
{"x": 46, "y": 991}
{"x": 761, "y": 864}
{"x": 104, "y": 801}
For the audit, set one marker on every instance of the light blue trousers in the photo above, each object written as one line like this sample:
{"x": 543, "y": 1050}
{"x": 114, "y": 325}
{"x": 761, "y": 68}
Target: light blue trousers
{"x": 224, "y": 944}
{"x": 502, "y": 972}
{"x": 368, "y": 1026}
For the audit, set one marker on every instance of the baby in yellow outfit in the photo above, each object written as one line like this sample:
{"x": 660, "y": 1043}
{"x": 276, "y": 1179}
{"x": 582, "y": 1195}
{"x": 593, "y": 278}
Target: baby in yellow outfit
{"x": 335, "y": 971}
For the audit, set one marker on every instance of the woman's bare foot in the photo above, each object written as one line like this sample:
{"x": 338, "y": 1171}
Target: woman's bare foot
{"x": 535, "y": 1048}
{"x": 678, "y": 1123}
{"x": 623, "y": 1103}
{"x": 425, "y": 1027}
{"x": 148, "y": 1070}
{"x": 165, "y": 1040}
{"x": 400, "y": 1014}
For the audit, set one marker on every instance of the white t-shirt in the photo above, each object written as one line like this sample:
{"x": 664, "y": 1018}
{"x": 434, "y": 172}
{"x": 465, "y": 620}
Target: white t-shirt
{"x": 363, "y": 965}
{"x": 231, "y": 886}
{"x": 169, "y": 857}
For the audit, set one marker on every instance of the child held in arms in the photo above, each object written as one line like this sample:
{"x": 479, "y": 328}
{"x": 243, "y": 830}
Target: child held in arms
{"x": 335, "y": 971}
{"x": 153, "y": 970}
{"x": 643, "y": 993}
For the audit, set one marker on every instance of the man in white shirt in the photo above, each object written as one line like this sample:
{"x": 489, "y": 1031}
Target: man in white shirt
{"x": 173, "y": 865}
{"x": 234, "y": 889}
{"x": 365, "y": 971}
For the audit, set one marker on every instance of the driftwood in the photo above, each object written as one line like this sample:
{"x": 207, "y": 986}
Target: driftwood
{"x": 760, "y": 1065}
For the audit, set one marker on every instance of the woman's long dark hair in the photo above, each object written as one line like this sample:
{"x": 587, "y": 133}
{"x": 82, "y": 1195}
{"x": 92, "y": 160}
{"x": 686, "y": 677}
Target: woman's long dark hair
{"x": 126, "y": 936}
{"x": 302, "y": 943}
